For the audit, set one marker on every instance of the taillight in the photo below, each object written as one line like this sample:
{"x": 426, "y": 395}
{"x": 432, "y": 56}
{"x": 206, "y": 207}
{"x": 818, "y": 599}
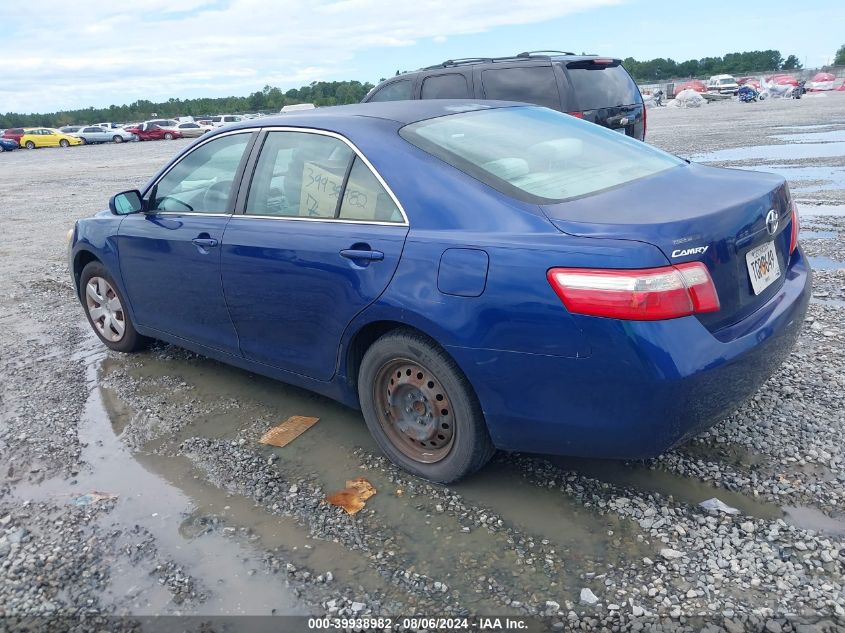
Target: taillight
{"x": 577, "y": 115}
{"x": 645, "y": 119}
{"x": 649, "y": 294}
{"x": 793, "y": 238}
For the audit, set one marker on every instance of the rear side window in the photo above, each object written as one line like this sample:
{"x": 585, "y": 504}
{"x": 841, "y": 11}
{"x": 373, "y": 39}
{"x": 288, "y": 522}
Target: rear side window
{"x": 365, "y": 199}
{"x": 396, "y": 91}
{"x": 536, "y": 155}
{"x": 532, "y": 84}
{"x": 451, "y": 86}
{"x": 601, "y": 85}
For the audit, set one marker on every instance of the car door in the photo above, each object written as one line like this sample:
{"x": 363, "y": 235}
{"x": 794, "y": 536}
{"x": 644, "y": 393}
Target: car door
{"x": 319, "y": 239}
{"x": 170, "y": 254}
{"x": 50, "y": 138}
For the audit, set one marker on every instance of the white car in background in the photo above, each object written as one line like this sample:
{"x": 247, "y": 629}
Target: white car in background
{"x": 189, "y": 129}
{"x": 225, "y": 119}
{"x": 296, "y": 107}
{"x": 723, "y": 84}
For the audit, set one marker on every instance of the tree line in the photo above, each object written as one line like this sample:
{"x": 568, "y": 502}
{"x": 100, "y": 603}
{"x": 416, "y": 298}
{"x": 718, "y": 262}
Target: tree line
{"x": 731, "y": 64}
{"x": 325, "y": 93}
{"x": 269, "y": 99}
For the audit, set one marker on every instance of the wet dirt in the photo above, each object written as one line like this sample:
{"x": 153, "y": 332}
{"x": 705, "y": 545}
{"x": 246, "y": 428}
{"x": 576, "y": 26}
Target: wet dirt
{"x": 522, "y": 532}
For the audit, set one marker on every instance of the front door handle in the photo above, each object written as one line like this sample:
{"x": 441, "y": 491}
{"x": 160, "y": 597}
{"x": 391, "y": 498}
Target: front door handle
{"x": 205, "y": 242}
{"x": 354, "y": 253}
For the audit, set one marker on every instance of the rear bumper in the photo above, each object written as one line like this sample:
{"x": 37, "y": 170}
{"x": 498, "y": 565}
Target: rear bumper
{"x": 647, "y": 385}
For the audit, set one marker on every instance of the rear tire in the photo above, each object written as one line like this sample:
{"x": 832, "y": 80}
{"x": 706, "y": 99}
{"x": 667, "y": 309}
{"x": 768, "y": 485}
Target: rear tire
{"x": 105, "y": 309}
{"x": 421, "y": 409}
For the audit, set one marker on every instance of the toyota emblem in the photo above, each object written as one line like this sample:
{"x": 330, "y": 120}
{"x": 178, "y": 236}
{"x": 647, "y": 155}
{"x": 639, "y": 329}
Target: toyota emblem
{"x": 772, "y": 222}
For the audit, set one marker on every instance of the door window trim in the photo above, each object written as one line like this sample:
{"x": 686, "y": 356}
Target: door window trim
{"x": 305, "y": 130}
{"x": 239, "y": 173}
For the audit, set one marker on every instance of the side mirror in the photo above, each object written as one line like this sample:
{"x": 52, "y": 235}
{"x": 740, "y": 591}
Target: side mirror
{"x": 126, "y": 203}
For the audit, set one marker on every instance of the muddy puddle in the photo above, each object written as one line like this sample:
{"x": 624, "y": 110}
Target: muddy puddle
{"x": 792, "y": 151}
{"x": 822, "y": 262}
{"x": 830, "y": 136}
{"x": 221, "y": 539}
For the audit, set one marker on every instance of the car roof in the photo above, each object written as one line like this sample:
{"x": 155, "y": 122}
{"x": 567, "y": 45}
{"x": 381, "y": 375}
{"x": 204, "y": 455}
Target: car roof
{"x": 403, "y": 112}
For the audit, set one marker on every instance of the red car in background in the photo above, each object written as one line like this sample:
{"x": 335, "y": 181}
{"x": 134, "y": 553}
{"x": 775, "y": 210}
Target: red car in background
{"x": 14, "y": 133}
{"x": 782, "y": 80}
{"x": 693, "y": 84}
{"x": 152, "y": 132}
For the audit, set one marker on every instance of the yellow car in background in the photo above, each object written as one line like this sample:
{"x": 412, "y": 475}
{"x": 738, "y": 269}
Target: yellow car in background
{"x": 46, "y": 137}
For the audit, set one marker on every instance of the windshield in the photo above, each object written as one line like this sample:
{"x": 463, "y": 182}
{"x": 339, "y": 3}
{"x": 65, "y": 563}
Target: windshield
{"x": 536, "y": 154}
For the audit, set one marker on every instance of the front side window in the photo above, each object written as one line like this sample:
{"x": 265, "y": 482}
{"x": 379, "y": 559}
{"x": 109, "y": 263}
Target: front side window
{"x": 535, "y": 154}
{"x": 202, "y": 181}
{"x": 396, "y": 91}
{"x": 531, "y": 84}
{"x": 451, "y": 86}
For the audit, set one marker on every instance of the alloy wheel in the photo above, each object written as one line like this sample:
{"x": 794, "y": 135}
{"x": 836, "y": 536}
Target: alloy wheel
{"x": 105, "y": 309}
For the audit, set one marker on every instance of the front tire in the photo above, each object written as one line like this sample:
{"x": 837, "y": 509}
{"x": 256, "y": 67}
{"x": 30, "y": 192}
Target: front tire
{"x": 117, "y": 138}
{"x": 104, "y": 307}
{"x": 64, "y": 143}
{"x": 421, "y": 409}
{"x": 30, "y": 145}
{"x": 168, "y": 137}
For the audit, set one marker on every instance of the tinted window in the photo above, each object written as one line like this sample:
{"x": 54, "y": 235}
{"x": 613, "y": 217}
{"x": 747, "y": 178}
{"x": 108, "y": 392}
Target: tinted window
{"x": 532, "y": 84}
{"x": 601, "y": 85}
{"x": 451, "y": 86}
{"x": 365, "y": 199}
{"x": 535, "y": 154}
{"x": 202, "y": 181}
{"x": 396, "y": 91}
{"x": 92, "y": 129}
{"x": 299, "y": 174}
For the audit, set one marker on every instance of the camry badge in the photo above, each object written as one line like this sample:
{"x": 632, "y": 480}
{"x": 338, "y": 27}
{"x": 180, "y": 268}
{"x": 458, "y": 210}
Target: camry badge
{"x": 772, "y": 222}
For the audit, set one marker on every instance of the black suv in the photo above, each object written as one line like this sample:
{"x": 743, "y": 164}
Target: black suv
{"x": 596, "y": 89}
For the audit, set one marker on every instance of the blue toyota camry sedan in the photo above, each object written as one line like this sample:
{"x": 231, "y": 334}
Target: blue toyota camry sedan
{"x": 471, "y": 275}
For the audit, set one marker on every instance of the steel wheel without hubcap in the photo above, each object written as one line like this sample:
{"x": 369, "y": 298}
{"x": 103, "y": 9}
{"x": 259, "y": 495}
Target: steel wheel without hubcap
{"x": 105, "y": 309}
{"x": 414, "y": 410}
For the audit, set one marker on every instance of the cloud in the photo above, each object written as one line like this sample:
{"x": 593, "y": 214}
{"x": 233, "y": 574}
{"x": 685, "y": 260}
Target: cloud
{"x": 58, "y": 55}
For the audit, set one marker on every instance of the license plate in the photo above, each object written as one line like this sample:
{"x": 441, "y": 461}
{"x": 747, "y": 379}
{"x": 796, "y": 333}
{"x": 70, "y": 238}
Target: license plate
{"x": 763, "y": 266}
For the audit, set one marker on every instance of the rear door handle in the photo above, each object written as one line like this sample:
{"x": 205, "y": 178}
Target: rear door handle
{"x": 354, "y": 253}
{"x": 205, "y": 242}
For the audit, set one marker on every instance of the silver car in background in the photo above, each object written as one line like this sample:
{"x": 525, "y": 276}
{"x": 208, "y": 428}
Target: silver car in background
{"x": 97, "y": 134}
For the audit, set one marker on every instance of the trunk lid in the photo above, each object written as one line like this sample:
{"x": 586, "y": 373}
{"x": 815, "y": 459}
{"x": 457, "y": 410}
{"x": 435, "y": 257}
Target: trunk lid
{"x": 694, "y": 213}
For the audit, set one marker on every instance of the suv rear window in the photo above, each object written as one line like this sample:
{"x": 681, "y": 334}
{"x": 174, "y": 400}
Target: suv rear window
{"x": 537, "y": 155}
{"x": 601, "y": 85}
{"x": 532, "y": 84}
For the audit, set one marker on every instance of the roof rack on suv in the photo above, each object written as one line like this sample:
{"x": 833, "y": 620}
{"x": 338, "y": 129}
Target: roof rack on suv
{"x": 478, "y": 60}
{"x": 530, "y": 53}
{"x": 456, "y": 62}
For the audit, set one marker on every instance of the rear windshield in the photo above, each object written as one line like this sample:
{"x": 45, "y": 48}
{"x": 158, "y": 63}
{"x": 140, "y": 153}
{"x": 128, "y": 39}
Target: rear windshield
{"x": 536, "y": 154}
{"x": 602, "y": 85}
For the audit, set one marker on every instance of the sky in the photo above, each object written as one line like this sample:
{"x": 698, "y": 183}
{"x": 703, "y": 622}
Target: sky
{"x": 57, "y": 55}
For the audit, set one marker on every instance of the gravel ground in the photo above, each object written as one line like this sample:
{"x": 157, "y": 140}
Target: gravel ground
{"x": 207, "y": 521}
